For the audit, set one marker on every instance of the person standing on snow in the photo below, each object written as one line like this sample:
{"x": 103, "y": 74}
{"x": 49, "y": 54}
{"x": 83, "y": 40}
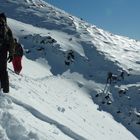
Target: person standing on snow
{"x": 17, "y": 57}
{"x": 6, "y": 47}
{"x": 109, "y": 77}
{"x": 122, "y": 75}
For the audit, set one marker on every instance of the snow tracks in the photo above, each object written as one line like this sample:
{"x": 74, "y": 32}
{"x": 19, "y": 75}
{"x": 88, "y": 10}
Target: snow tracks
{"x": 47, "y": 119}
{"x": 10, "y": 127}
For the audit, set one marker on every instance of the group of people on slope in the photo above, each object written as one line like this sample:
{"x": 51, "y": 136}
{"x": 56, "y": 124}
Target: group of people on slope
{"x": 114, "y": 78}
{"x": 11, "y": 47}
{"x": 10, "y": 51}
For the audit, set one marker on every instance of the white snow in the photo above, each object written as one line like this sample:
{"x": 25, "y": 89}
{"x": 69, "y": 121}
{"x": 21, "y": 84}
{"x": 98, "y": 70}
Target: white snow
{"x": 62, "y": 97}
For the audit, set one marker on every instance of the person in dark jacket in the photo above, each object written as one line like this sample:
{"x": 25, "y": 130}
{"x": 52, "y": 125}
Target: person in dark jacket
{"x": 6, "y": 47}
{"x": 122, "y": 75}
{"x": 17, "y": 57}
{"x": 109, "y": 77}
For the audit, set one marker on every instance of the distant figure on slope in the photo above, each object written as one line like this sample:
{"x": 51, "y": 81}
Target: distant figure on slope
{"x": 109, "y": 77}
{"x": 122, "y": 75}
{"x": 70, "y": 57}
{"x": 17, "y": 65}
{"x": 6, "y": 46}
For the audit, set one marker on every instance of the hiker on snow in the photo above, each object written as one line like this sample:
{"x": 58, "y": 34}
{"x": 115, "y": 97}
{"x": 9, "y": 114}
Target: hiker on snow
{"x": 109, "y": 77}
{"x": 6, "y": 46}
{"x": 122, "y": 75}
{"x": 113, "y": 77}
{"x": 17, "y": 57}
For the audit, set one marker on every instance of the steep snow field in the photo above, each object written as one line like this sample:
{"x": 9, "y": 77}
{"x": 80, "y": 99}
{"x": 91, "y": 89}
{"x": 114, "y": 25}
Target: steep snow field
{"x": 61, "y": 93}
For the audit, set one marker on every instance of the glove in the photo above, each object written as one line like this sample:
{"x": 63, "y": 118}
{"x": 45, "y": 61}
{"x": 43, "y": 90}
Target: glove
{"x": 9, "y": 59}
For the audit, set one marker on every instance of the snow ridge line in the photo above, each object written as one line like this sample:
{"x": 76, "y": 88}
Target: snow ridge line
{"x": 67, "y": 131}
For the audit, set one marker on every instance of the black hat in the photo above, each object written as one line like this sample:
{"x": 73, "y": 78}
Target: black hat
{"x": 2, "y": 15}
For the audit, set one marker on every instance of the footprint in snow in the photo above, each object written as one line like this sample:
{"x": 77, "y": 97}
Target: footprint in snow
{"x": 5, "y": 102}
{"x": 61, "y": 109}
{"x": 14, "y": 86}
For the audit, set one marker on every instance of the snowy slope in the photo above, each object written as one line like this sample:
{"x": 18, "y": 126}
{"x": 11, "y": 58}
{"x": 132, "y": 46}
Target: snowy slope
{"x": 62, "y": 96}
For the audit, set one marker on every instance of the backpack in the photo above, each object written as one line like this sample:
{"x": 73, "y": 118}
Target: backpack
{"x": 18, "y": 50}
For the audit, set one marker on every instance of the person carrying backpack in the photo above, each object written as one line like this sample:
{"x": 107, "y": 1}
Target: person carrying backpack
{"x": 6, "y": 47}
{"x": 17, "y": 57}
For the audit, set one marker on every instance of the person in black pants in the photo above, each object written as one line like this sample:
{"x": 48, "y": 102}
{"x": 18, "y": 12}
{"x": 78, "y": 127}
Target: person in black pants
{"x": 6, "y": 47}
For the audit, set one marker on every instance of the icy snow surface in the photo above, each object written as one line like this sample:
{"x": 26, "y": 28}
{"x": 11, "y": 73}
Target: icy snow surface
{"x": 61, "y": 93}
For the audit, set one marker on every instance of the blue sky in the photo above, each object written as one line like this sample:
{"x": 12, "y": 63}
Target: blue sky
{"x": 121, "y": 17}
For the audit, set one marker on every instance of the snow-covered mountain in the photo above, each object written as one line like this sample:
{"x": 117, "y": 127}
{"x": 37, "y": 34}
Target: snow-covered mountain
{"x": 61, "y": 93}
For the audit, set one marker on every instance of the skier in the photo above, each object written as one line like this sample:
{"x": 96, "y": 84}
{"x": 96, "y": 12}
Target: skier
{"x": 109, "y": 80}
{"x": 6, "y": 46}
{"x": 17, "y": 57}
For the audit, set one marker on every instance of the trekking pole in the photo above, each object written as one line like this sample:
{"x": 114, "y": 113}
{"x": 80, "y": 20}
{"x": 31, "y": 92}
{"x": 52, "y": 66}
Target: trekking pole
{"x": 105, "y": 88}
